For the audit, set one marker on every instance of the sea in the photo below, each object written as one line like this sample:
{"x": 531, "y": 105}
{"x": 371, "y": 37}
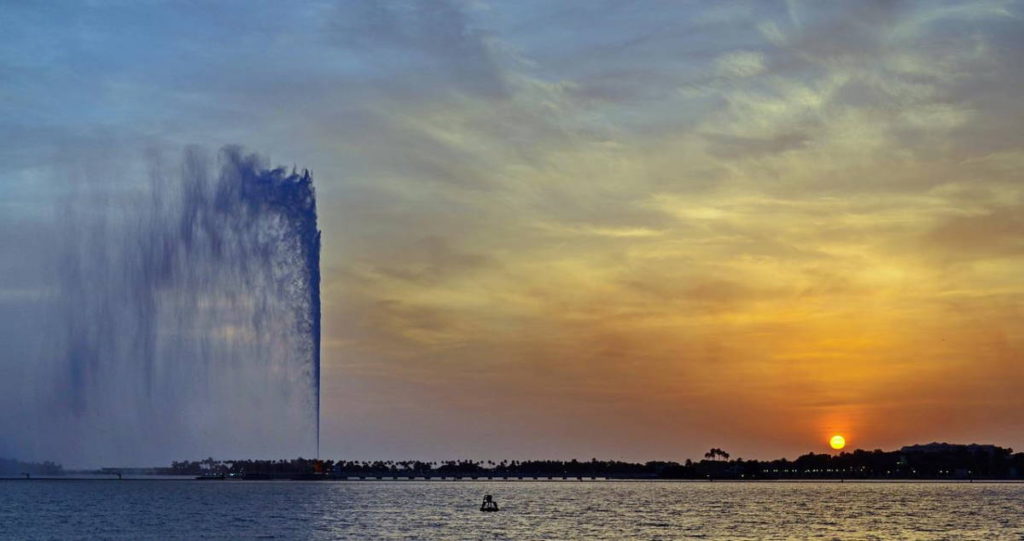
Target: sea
{"x": 141, "y": 509}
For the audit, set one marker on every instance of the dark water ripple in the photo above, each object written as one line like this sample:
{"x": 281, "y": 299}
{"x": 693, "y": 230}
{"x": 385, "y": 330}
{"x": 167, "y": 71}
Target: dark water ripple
{"x": 38, "y": 510}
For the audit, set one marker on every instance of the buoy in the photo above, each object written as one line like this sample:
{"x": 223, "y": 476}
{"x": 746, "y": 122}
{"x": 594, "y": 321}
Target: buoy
{"x": 489, "y": 505}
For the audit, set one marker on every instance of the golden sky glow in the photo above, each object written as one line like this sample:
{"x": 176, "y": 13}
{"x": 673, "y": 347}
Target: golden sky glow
{"x": 814, "y": 229}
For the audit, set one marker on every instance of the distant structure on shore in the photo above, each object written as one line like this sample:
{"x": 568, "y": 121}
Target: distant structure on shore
{"x": 9, "y": 467}
{"x": 952, "y": 448}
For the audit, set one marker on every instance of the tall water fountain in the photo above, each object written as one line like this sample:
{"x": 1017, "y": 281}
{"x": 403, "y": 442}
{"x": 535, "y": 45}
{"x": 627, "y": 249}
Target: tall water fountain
{"x": 187, "y": 321}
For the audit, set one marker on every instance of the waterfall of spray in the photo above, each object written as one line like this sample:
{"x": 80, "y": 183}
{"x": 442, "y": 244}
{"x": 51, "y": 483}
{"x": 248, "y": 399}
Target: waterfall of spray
{"x": 192, "y": 319}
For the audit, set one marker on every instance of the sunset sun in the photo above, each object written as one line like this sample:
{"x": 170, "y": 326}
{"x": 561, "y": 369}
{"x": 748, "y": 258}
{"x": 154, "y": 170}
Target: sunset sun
{"x": 837, "y": 442}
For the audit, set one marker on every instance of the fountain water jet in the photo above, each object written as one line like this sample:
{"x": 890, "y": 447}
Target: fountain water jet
{"x": 191, "y": 318}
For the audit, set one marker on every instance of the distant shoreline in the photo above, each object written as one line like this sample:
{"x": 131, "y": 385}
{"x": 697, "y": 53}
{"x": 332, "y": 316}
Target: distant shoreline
{"x": 935, "y": 462}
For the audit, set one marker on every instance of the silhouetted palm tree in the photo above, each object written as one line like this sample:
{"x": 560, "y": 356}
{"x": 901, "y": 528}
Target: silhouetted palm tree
{"x": 715, "y": 452}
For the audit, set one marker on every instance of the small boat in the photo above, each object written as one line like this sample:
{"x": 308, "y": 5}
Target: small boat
{"x": 489, "y": 505}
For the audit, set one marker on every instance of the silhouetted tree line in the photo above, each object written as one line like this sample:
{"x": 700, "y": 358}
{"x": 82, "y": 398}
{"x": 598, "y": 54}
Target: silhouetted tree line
{"x": 931, "y": 461}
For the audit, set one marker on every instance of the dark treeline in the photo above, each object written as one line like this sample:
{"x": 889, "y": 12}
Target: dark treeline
{"x": 931, "y": 461}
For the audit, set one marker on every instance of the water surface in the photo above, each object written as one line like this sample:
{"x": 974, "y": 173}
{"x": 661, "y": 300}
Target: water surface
{"x": 151, "y": 509}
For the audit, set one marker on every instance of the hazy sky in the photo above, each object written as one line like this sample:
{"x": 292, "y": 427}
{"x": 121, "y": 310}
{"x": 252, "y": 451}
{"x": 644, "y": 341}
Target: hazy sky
{"x": 595, "y": 228}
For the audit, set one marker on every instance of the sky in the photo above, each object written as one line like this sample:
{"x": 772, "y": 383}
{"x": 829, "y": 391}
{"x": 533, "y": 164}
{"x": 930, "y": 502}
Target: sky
{"x": 613, "y": 229}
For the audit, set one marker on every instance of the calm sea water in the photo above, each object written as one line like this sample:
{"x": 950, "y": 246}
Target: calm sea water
{"x": 529, "y": 510}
